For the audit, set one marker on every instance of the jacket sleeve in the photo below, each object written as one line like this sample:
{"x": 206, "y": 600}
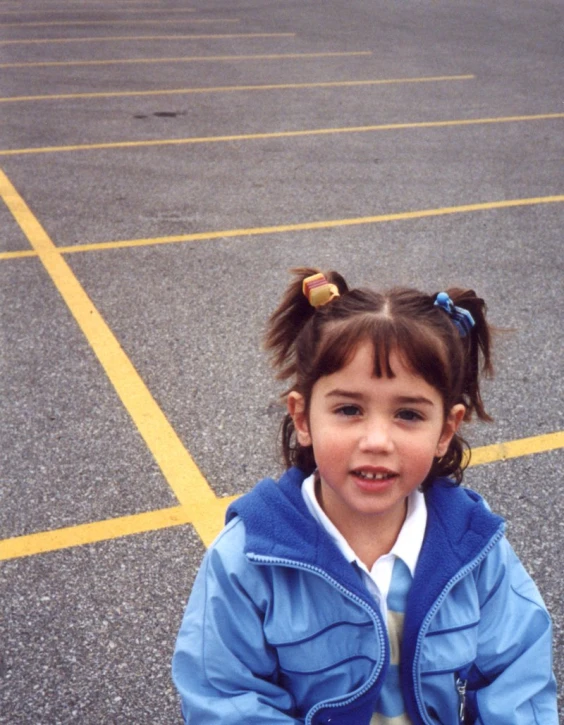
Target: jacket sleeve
{"x": 223, "y": 669}
{"x": 514, "y": 663}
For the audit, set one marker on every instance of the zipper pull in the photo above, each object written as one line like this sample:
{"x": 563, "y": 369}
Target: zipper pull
{"x": 461, "y": 689}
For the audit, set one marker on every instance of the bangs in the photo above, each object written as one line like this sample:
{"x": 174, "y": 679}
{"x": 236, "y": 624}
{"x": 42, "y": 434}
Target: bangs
{"x": 410, "y": 339}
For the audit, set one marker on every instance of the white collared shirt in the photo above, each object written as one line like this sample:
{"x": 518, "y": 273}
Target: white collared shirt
{"x": 407, "y": 546}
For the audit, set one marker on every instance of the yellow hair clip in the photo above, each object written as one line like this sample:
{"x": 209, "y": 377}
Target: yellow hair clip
{"x": 318, "y": 290}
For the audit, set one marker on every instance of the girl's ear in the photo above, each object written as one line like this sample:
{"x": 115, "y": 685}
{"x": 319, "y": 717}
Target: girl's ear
{"x": 451, "y": 425}
{"x": 297, "y": 411}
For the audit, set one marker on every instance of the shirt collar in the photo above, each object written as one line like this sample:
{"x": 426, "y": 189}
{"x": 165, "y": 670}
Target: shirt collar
{"x": 410, "y": 538}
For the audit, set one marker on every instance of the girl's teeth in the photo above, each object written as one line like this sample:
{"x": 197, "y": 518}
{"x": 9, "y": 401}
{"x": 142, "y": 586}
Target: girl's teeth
{"x": 375, "y": 476}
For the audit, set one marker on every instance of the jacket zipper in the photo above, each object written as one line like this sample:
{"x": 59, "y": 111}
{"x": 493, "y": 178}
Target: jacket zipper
{"x": 261, "y": 559}
{"x": 431, "y": 613}
{"x": 461, "y": 689}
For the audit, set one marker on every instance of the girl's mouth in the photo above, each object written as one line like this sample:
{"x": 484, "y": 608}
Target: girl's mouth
{"x": 374, "y": 475}
{"x": 374, "y": 482}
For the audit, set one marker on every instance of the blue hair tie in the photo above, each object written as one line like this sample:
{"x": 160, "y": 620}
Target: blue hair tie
{"x": 461, "y": 317}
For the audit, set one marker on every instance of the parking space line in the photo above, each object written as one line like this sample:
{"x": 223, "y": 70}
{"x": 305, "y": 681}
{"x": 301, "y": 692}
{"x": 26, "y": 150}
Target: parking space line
{"x": 180, "y": 471}
{"x": 309, "y": 226}
{"x": 92, "y": 9}
{"x": 19, "y": 254}
{"x": 127, "y": 21}
{"x": 189, "y": 59}
{"x": 517, "y": 448}
{"x": 124, "y": 38}
{"x": 234, "y": 89}
{"x": 299, "y": 227}
{"x": 91, "y": 6}
{"x": 208, "y": 518}
{"x": 92, "y": 532}
{"x": 280, "y": 134}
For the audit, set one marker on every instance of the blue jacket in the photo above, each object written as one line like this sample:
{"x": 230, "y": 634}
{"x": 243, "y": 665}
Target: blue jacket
{"x": 280, "y": 628}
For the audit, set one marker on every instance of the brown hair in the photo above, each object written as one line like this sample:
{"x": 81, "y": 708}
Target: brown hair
{"x": 307, "y": 343}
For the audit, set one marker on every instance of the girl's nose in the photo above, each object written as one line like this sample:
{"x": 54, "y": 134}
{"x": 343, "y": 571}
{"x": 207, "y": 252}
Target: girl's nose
{"x": 376, "y": 437}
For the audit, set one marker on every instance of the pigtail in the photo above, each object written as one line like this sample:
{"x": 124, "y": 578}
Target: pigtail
{"x": 477, "y": 345}
{"x": 290, "y": 317}
{"x": 282, "y": 340}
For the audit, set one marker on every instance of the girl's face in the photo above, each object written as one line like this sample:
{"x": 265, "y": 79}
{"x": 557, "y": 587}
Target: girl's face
{"x": 374, "y": 439}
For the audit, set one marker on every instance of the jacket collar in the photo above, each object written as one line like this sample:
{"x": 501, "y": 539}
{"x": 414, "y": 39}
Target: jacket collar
{"x": 279, "y": 525}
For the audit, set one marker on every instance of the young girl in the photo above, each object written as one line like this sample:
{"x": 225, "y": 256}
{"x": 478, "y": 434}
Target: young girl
{"x": 365, "y": 586}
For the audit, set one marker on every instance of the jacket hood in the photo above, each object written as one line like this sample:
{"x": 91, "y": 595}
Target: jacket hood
{"x": 277, "y": 521}
{"x": 278, "y": 524}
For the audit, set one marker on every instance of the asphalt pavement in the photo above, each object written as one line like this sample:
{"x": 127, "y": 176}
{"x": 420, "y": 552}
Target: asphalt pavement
{"x": 162, "y": 166}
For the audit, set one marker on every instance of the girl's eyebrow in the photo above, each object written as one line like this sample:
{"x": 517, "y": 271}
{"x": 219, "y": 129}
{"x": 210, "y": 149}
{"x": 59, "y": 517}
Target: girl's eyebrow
{"x": 415, "y": 400}
{"x": 340, "y": 393}
{"x": 401, "y": 400}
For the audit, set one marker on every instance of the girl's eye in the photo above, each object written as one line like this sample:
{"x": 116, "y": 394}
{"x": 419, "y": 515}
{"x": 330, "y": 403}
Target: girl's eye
{"x": 410, "y": 415}
{"x": 348, "y": 410}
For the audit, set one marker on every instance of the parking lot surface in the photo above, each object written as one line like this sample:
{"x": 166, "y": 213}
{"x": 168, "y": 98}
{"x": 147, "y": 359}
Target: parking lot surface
{"x": 162, "y": 166}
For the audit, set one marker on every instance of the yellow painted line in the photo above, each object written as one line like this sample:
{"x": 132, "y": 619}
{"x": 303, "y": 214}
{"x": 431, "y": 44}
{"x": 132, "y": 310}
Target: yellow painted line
{"x": 91, "y": 533}
{"x": 18, "y": 255}
{"x": 105, "y": 9}
{"x": 231, "y": 89}
{"x": 278, "y": 134}
{"x": 210, "y": 518}
{"x": 300, "y": 227}
{"x": 517, "y": 448}
{"x": 188, "y": 59}
{"x": 127, "y": 21}
{"x": 308, "y": 226}
{"x": 177, "y": 466}
{"x": 211, "y": 515}
{"x": 124, "y": 38}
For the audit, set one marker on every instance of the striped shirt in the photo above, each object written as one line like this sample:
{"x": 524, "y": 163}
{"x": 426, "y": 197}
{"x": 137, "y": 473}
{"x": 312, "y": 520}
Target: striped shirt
{"x": 390, "y": 709}
{"x": 388, "y": 582}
